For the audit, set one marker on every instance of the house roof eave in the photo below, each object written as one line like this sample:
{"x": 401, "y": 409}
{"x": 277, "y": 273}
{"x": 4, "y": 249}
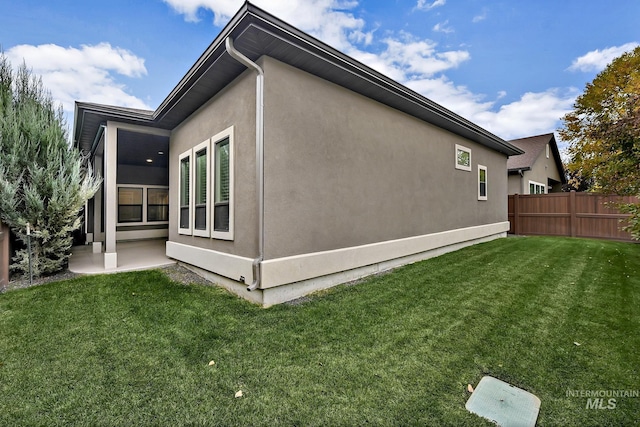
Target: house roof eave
{"x": 89, "y": 116}
{"x": 534, "y": 146}
{"x": 518, "y": 170}
{"x": 258, "y": 33}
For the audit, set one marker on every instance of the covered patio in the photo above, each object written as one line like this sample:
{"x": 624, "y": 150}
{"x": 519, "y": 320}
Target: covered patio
{"x": 136, "y": 255}
{"x": 130, "y": 153}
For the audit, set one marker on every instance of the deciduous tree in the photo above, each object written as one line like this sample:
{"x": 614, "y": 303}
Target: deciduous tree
{"x": 603, "y": 132}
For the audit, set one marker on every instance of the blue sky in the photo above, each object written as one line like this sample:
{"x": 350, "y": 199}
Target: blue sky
{"x": 511, "y": 66}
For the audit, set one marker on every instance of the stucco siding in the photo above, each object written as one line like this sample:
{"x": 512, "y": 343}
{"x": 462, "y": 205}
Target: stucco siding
{"x": 342, "y": 170}
{"x": 515, "y": 184}
{"x": 234, "y": 106}
{"x": 543, "y": 169}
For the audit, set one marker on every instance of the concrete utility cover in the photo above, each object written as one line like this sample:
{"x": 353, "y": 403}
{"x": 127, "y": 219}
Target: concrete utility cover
{"x": 504, "y": 404}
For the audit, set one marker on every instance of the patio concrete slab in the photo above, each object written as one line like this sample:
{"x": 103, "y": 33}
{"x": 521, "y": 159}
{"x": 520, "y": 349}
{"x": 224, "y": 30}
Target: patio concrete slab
{"x": 132, "y": 256}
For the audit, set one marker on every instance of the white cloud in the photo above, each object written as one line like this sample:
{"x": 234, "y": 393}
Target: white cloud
{"x": 479, "y": 18}
{"x": 419, "y": 57}
{"x": 425, "y": 5}
{"x": 456, "y": 98}
{"x": 597, "y": 60}
{"x": 332, "y": 22}
{"x": 328, "y": 20}
{"x": 532, "y": 114}
{"x": 222, "y": 9}
{"x": 95, "y": 73}
{"x": 442, "y": 27}
{"x": 84, "y": 74}
{"x": 416, "y": 63}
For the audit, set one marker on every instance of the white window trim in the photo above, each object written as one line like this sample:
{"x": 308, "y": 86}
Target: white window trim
{"x": 144, "y": 204}
{"x": 486, "y": 182}
{"x": 182, "y": 156}
{"x": 459, "y": 166}
{"x": 227, "y": 133}
{"x": 539, "y": 184}
{"x": 206, "y": 232}
{"x": 144, "y": 208}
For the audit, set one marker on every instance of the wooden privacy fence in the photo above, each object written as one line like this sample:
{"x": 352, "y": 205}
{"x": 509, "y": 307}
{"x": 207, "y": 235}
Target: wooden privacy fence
{"x": 568, "y": 214}
{"x": 4, "y": 256}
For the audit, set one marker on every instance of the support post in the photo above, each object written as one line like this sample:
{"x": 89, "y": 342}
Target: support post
{"x": 98, "y": 209}
{"x": 110, "y": 196}
{"x": 4, "y": 256}
{"x": 516, "y": 214}
{"x": 573, "y": 221}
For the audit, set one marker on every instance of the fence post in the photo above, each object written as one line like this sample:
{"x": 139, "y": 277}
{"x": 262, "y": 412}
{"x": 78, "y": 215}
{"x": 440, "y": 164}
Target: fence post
{"x": 4, "y": 256}
{"x": 516, "y": 214}
{"x": 573, "y": 221}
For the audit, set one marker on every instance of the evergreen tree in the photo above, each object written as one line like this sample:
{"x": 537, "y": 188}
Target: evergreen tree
{"x": 43, "y": 180}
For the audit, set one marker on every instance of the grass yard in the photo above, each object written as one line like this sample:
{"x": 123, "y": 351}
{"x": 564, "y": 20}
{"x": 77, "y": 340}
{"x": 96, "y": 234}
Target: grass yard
{"x": 397, "y": 349}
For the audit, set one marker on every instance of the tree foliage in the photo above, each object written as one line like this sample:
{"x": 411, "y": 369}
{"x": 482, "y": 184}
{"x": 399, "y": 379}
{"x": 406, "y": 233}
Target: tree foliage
{"x": 42, "y": 178}
{"x": 603, "y": 132}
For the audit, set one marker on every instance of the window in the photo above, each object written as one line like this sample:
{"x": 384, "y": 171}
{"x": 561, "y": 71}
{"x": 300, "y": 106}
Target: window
{"x": 201, "y": 196}
{"x": 142, "y": 204}
{"x": 536, "y": 188}
{"x": 482, "y": 182}
{"x": 184, "y": 220}
{"x": 547, "y": 150}
{"x": 222, "y": 145}
{"x": 463, "y": 158}
{"x": 129, "y": 204}
{"x": 206, "y": 188}
{"x": 221, "y": 207}
{"x": 157, "y": 204}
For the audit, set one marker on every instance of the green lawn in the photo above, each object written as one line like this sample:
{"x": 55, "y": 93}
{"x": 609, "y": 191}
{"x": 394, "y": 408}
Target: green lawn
{"x": 397, "y": 349}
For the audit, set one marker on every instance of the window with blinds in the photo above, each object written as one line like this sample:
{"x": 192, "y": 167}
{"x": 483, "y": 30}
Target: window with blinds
{"x": 222, "y": 184}
{"x": 157, "y": 204}
{"x": 129, "y": 204}
{"x": 185, "y": 194}
{"x": 482, "y": 182}
{"x": 206, "y": 188}
{"x": 200, "y": 178}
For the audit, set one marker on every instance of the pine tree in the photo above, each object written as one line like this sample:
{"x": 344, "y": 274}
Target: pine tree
{"x": 43, "y": 181}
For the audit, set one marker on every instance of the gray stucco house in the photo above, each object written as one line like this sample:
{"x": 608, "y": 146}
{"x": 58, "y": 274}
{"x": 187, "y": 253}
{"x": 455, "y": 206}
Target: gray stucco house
{"x": 539, "y": 170}
{"x": 279, "y": 166}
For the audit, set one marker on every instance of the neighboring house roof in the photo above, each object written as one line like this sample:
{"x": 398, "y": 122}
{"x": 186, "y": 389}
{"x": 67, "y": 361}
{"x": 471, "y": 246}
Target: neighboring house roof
{"x": 533, "y": 147}
{"x": 257, "y": 33}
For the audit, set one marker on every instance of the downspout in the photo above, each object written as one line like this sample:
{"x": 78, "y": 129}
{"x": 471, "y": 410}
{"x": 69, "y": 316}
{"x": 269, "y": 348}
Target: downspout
{"x": 257, "y": 262}
{"x": 97, "y": 139}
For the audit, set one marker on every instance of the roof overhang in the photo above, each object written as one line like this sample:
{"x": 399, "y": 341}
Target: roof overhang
{"x": 257, "y": 33}
{"x": 518, "y": 170}
{"x": 89, "y": 117}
